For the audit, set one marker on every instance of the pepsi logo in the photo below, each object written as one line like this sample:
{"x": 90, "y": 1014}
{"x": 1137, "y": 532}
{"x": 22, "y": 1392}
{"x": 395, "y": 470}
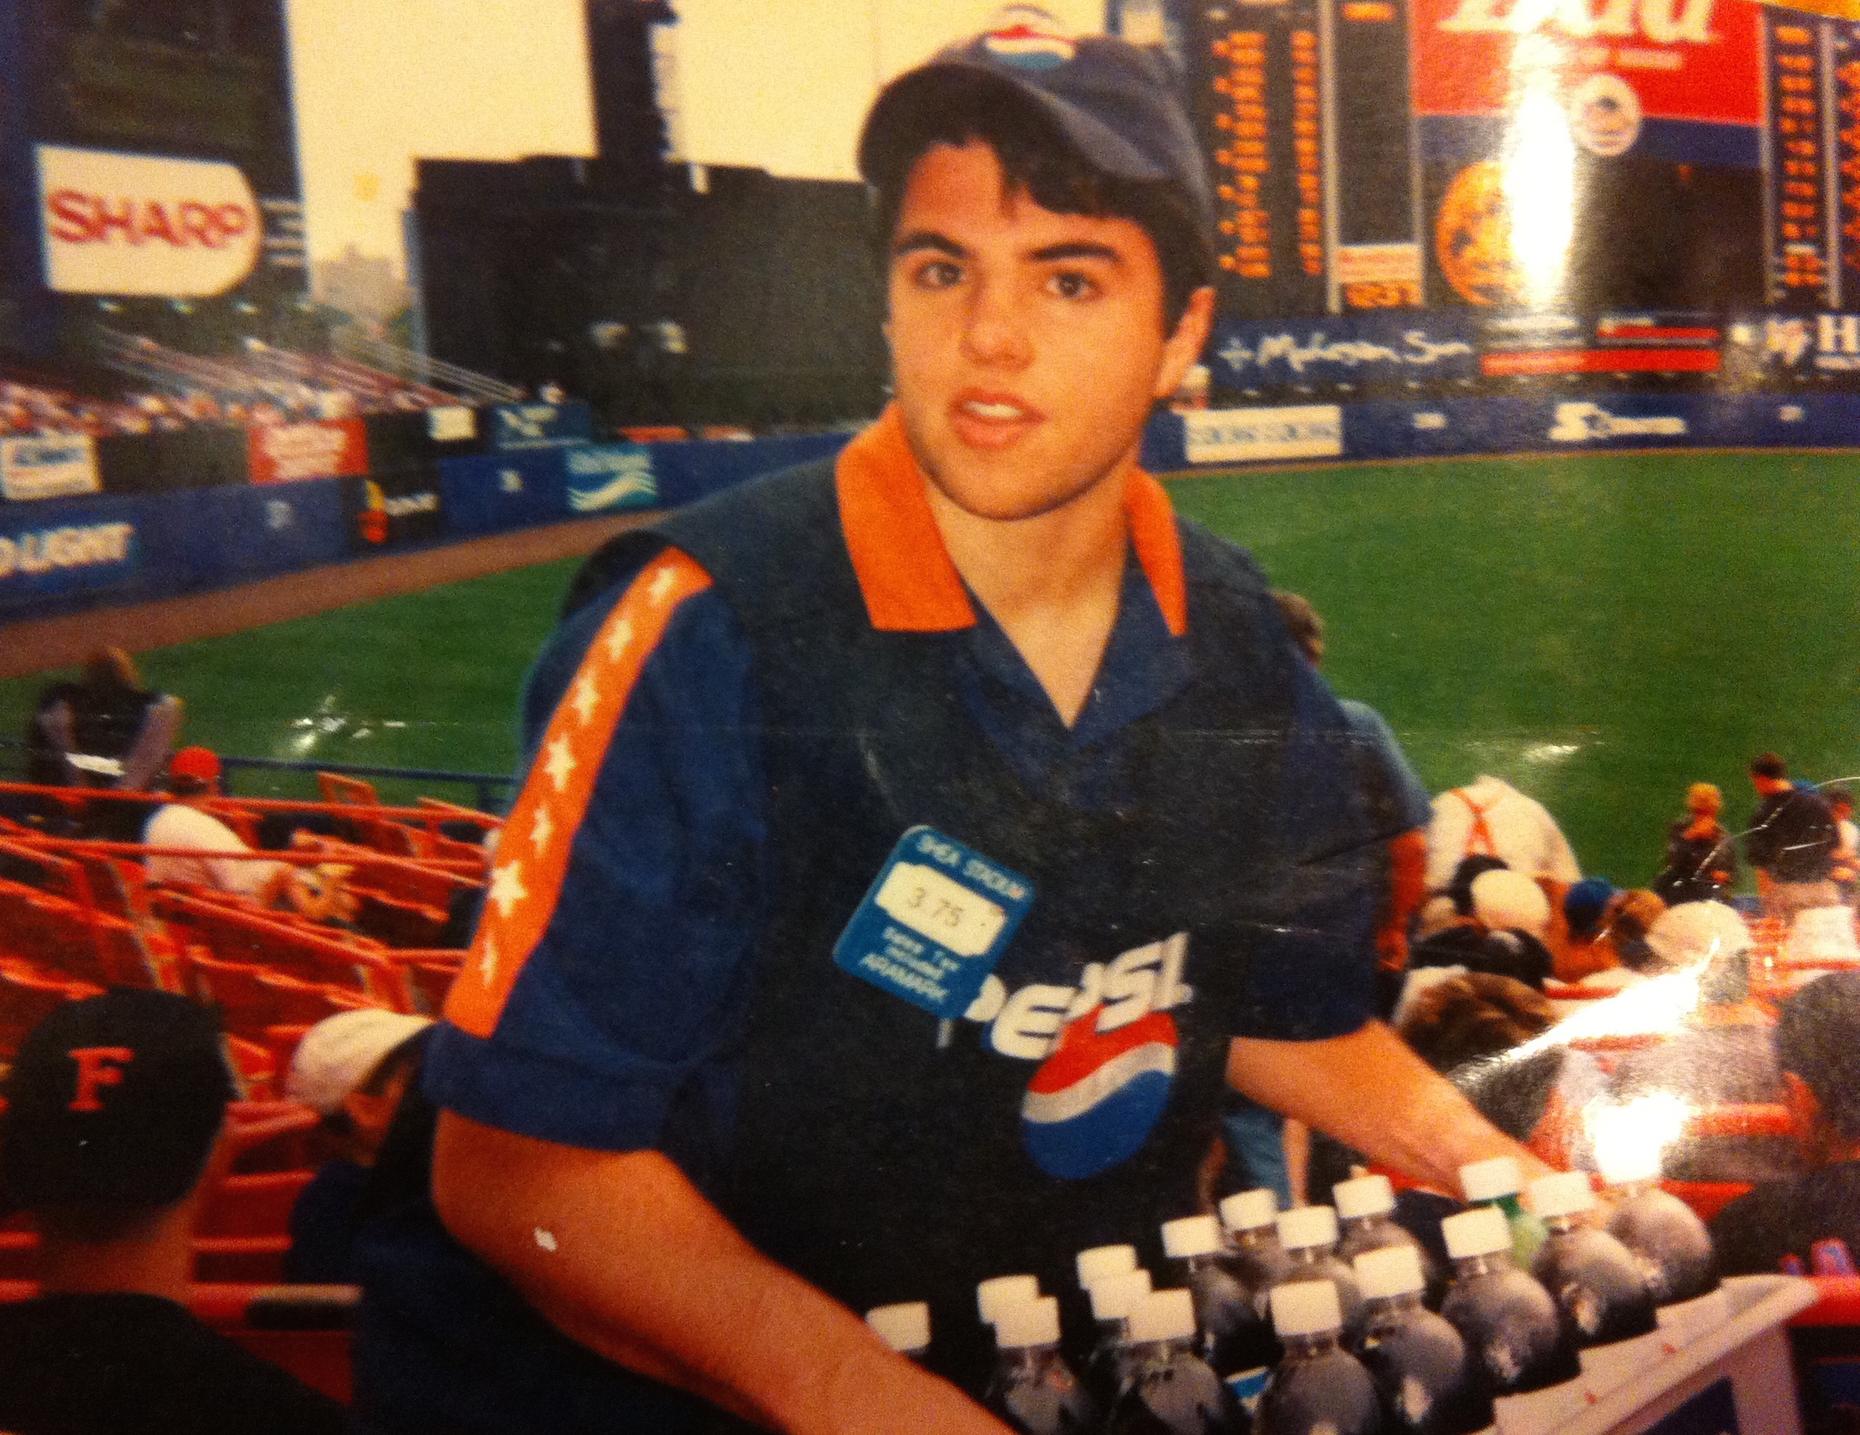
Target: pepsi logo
{"x": 1029, "y": 38}
{"x": 1094, "y": 1101}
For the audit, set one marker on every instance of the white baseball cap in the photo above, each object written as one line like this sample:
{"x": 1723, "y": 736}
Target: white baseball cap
{"x": 341, "y": 1052}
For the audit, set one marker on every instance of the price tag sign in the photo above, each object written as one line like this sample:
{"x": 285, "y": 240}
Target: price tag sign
{"x": 934, "y": 923}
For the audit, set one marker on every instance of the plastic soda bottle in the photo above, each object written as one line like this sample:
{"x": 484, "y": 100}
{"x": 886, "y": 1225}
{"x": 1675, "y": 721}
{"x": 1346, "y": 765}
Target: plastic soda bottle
{"x": 1169, "y": 1389}
{"x": 1595, "y": 1281}
{"x": 1659, "y": 1228}
{"x": 904, "y": 1327}
{"x": 1319, "y": 1388}
{"x": 1033, "y": 1389}
{"x": 1428, "y": 1381}
{"x": 1508, "y": 1321}
{"x": 1253, "y": 1252}
{"x": 1496, "y": 1182}
{"x": 1309, "y": 1235}
{"x": 1112, "y": 1300}
{"x": 1364, "y": 1207}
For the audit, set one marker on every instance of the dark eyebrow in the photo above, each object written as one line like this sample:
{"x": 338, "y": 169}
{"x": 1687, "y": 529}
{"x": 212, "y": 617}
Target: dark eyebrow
{"x": 919, "y": 240}
{"x": 1077, "y": 250}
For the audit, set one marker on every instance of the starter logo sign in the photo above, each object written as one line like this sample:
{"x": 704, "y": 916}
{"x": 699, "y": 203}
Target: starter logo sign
{"x": 1584, "y": 423}
{"x": 138, "y": 224}
{"x": 52, "y": 467}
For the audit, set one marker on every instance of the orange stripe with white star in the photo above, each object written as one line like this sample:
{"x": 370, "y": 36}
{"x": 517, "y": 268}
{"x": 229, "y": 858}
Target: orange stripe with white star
{"x": 532, "y": 852}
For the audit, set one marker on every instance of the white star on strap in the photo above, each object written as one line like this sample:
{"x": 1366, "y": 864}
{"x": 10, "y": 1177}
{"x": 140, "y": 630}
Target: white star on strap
{"x": 541, "y": 830}
{"x": 560, "y": 763}
{"x": 585, "y": 698}
{"x": 487, "y": 961}
{"x": 507, "y": 889}
{"x": 662, "y": 584}
{"x": 618, "y": 639}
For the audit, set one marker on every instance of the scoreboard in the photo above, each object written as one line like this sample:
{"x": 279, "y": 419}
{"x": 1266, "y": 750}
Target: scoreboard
{"x": 1522, "y": 156}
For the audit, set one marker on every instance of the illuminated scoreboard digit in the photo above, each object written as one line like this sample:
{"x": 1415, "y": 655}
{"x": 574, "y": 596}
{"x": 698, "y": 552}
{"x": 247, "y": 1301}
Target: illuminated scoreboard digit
{"x": 1804, "y": 135}
{"x": 1845, "y": 122}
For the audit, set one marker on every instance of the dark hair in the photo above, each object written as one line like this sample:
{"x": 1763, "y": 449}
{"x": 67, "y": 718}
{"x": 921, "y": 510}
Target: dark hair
{"x": 1468, "y": 1028}
{"x": 1768, "y": 764}
{"x": 1302, "y": 622}
{"x": 1818, "y": 1038}
{"x": 1036, "y": 160}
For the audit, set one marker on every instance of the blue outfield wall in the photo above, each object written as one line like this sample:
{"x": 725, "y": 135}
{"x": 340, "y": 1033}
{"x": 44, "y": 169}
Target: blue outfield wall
{"x": 68, "y": 553}
{"x": 61, "y": 554}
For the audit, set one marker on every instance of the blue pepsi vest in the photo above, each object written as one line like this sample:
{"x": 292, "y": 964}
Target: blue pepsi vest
{"x": 887, "y": 1158}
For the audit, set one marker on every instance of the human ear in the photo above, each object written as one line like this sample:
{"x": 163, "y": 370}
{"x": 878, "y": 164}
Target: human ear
{"x": 1185, "y": 343}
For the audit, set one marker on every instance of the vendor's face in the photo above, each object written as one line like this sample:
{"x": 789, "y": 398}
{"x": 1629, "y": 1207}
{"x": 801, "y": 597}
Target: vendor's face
{"x": 1027, "y": 347}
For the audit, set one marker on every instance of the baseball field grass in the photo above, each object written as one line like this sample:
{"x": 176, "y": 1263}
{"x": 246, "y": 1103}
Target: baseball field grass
{"x": 1599, "y": 630}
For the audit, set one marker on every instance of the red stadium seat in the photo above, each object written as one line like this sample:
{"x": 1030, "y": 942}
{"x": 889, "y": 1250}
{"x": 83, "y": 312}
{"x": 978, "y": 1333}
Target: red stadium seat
{"x": 255, "y": 1205}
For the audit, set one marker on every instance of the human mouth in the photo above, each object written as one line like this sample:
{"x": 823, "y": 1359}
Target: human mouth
{"x": 988, "y": 420}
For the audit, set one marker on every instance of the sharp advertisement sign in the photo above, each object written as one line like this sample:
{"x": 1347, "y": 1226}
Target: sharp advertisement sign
{"x": 125, "y": 224}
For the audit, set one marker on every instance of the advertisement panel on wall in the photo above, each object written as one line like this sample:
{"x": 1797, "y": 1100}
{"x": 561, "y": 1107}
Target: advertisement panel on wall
{"x": 607, "y": 476}
{"x": 51, "y": 466}
{"x": 515, "y": 426}
{"x": 143, "y": 224}
{"x": 327, "y": 448}
{"x": 492, "y": 492}
{"x": 390, "y": 509}
{"x": 83, "y": 548}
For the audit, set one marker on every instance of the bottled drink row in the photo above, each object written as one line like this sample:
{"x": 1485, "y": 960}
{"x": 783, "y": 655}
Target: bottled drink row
{"x": 1335, "y": 1320}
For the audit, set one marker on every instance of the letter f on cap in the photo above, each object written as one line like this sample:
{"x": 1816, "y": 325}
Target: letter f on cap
{"x": 97, "y": 1067}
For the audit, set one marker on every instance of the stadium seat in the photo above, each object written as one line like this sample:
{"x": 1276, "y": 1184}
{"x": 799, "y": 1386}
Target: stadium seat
{"x": 1707, "y": 1198}
{"x": 28, "y": 996}
{"x": 269, "y": 1135}
{"x": 252, "y": 1205}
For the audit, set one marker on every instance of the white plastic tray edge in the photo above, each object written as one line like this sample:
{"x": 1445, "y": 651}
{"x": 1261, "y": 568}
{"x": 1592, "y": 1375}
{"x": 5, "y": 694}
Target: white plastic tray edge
{"x": 1761, "y": 1302}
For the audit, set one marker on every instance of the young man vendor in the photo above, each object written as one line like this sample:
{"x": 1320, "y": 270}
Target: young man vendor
{"x": 914, "y": 845}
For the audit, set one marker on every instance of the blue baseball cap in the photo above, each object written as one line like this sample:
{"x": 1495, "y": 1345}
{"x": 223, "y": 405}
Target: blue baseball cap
{"x": 1117, "y": 105}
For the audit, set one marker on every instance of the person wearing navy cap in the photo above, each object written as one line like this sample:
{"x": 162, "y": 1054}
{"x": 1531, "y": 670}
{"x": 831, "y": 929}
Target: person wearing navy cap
{"x": 913, "y": 846}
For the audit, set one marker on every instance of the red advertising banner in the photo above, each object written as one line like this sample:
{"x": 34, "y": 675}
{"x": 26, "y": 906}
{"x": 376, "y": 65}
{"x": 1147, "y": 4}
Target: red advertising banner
{"x": 284, "y": 453}
{"x": 1668, "y": 59}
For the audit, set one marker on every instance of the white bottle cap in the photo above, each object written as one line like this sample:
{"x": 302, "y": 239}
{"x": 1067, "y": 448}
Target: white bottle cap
{"x": 1305, "y": 1226}
{"x": 1030, "y": 1322}
{"x": 1249, "y": 1210}
{"x": 1565, "y": 1194}
{"x": 1622, "y": 1163}
{"x": 1115, "y": 1297}
{"x": 1489, "y": 1180}
{"x": 997, "y": 1293}
{"x": 1101, "y": 1261}
{"x": 1476, "y": 1233}
{"x": 1391, "y": 1270}
{"x": 905, "y": 1328}
{"x": 1305, "y": 1308}
{"x": 1163, "y": 1315}
{"x": 1365, "y": 1196}
{"x": 1191, "y": 1236}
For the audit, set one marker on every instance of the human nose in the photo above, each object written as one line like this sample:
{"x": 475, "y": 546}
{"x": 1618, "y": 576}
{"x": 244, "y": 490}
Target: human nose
{"x": 994, "y": 331}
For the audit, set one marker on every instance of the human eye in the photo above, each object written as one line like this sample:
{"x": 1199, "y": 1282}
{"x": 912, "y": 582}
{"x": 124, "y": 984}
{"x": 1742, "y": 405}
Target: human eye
{"x": 1072, "y": 284}
{"x": 936, "y": 274}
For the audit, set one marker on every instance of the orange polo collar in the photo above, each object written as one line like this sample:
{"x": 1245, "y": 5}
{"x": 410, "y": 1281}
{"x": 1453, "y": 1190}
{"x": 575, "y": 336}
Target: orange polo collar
{"x": 905, "y": 573}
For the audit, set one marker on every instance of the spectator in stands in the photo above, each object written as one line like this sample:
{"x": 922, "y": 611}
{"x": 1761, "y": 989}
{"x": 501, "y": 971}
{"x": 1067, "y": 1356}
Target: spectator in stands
{"x": 1497, "y": 925}
{"x": 1609, "y": 948}
{"x": 104, "y": 730}
{"x": 114, "y": 1109}
{"x": 1701, "y": 858}
{"x": 1817, "y": 1045}
{"x": 1791, "y": 842}
{"x": 1492, "y": 818}
{"x": 351, "y": 1069}
{"x": 214, "y": 850}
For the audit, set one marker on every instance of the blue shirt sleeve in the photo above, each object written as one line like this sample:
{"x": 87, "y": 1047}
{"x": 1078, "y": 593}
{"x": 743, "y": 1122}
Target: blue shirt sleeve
{"x": 618, "y": 1029}
{"x": 1397, "y": 800}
